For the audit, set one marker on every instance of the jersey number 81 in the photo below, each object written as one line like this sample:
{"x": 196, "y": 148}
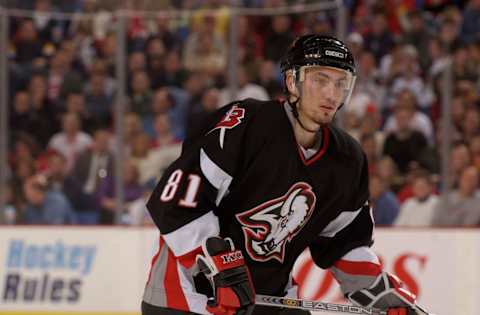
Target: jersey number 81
{"x": 171, "y": 187}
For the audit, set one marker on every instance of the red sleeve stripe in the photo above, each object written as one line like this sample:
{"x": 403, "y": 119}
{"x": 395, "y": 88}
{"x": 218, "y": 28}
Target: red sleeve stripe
{"x": 358, "y": 267}
{"x": 188, "y": 260}
{"x": 175, "y": 297}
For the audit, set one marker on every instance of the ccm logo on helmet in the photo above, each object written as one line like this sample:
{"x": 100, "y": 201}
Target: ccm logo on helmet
{"x": 334, "y": 53}
{"x": 231, "y": 257}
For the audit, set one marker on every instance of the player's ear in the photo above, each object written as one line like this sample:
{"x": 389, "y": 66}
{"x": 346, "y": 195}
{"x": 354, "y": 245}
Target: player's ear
{"x": 291, "y": 86}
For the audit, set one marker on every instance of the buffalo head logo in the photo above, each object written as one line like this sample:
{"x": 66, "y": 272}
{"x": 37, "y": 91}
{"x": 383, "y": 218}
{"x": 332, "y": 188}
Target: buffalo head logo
{"x": 269, "y": 226}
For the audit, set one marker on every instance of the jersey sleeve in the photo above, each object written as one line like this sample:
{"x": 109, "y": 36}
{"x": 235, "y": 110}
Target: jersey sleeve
{"x": 352, "y": 228}
{"x": 184, "y": 201}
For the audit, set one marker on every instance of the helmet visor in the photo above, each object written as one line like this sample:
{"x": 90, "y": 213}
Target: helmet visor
{"x": 342, "y": 85}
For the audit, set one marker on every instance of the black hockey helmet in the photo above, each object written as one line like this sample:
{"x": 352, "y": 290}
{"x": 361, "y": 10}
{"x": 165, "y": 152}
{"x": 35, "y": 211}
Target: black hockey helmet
{"x": 318, "y": 50}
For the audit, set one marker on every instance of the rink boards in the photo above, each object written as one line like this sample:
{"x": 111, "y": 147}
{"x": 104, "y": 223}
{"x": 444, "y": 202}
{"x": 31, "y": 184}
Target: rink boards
{"x": 80, "y": 270}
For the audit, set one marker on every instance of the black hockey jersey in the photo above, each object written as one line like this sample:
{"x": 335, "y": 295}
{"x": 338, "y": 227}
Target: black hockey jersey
{"x": 248, "y": 179}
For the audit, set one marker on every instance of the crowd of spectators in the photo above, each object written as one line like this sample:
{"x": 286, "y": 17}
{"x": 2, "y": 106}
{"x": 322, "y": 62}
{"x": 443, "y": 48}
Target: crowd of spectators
{"x": 62, "y": 99}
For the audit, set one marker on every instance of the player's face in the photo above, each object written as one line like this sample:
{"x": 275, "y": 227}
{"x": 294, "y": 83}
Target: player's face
{"x": 324, "y": 90}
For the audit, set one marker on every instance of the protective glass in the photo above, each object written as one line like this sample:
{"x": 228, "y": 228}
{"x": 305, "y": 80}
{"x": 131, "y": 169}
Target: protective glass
{"x": 342, "y": 86}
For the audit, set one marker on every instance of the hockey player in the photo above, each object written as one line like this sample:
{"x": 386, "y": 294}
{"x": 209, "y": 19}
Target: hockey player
{"x": 274, "y": 179}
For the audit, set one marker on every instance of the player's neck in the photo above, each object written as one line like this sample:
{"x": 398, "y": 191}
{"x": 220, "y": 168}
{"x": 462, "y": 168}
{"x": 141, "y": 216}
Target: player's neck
{"x": 307, "y": 139}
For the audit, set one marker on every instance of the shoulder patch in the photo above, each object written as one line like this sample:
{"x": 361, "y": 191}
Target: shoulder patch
{"x": 232, "y": 118}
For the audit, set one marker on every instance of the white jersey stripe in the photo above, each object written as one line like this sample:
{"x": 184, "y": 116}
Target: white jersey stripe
{"x": 197, "y": 303}
{"x": 361, "y": 254}
{"x": 340, "y": 222}
{"x": 190, "y": 236}
{"x": 215, "y": 175}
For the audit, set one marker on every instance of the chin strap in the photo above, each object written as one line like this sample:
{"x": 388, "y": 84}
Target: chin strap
{"x": 293, "y": 107}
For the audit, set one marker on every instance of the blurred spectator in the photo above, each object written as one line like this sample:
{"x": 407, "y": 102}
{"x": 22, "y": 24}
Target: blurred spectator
{"x": 43, "y": 122}
{"x": 437, "y": 58}
{"x": 137, "y": 211}
{"x": 161, "y": 29}
{"x": 139, "y": 157}
{"x": 91, "y": 167}
{"x": 268, "y": 79}
{"x": 27, "y": 43}
{"x": 82, "y": 204}
{"x": 467, "y": 91}
{"x": 99, "y": 98}
{"x": 471, "y": 22}
{"x": 355, "y": 43}
{"x": 137, "y": 61}
{"x": 141, "y": 95}
{"x": 387, "y": 170}
{"x": 20, "y": 114}
{"x": 8, "y": 213}
{"x": 318, "y": 23}
{"x": 205, "y": 50}
{"x": 75, "y": 104}
{"x": 106, "y": 193}
{"x": 279, "y": 38}
{"x": 409, "y": 77}
{"x": 163, "y": 131}
{"x": 200, "y": 115}
{"x": 420, "y": 208}
{"x": 107, "y": 49}
{"x": 474, "y": 147}
{"x": 416, "y": 121}
{"x": 172, "y": 72}
{"x": 250, "y": 43}
{"x": 45, "y": 205}
{"x": 418, "y": 35}
{"x": 457, "y": 115}
{"x": 246, "y": 89}
{"x": 154, "y": 49}
{"x": 132, "y": 127}
{"x": 404, "y": 145}
{"x": 471, "y": 123}
{"x": 384, "y": 203}
{"x": 464, "y": 69}
{"x": 71, "y": 141}
{"x": 370, "y": 125}
{"x": 460, "y": 159}
{"x": 23, "y": 170}
{"x": 24, "y": 149}
{"x": 449, "y": 33}
{"x": 463, "y": 204}
{"x": 369, "y": 147}
{"x": 50, "y": 30}
{"x": 150, "y": 162}
{"x": 61, "y": 78}
{"x": 379, "y": 40}
{"x": 368, "y": 92}
{"x": 194, "y": 86}
{"x": 174, "y": 102}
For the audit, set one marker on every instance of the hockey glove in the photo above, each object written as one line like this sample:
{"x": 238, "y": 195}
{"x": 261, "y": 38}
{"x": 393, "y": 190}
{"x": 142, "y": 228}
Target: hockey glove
{"x": 387, "y": 293}
{"x": 225, "y": 268}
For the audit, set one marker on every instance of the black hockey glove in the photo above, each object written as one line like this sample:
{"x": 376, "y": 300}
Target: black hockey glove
{"x": 387, "y": 293}
{"x": 229, "y": 276}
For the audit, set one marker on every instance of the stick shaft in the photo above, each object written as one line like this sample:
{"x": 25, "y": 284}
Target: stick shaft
{"x": 316, "y": 306}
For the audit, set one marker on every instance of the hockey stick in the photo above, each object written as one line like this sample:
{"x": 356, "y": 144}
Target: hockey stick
{"x": 316, "y": 306}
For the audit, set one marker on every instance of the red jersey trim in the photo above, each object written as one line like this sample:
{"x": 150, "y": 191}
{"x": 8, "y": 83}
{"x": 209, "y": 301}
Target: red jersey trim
{"x": 321, "y": 151}
{"x": 188, "y": 260}
{"x": 175, "y": 297}
{"x": 362, "y": 268}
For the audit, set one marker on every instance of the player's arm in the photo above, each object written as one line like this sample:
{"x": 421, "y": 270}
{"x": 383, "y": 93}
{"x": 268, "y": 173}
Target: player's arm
{"x": 185, "y": 202}
{"x": 344, "y": 248}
